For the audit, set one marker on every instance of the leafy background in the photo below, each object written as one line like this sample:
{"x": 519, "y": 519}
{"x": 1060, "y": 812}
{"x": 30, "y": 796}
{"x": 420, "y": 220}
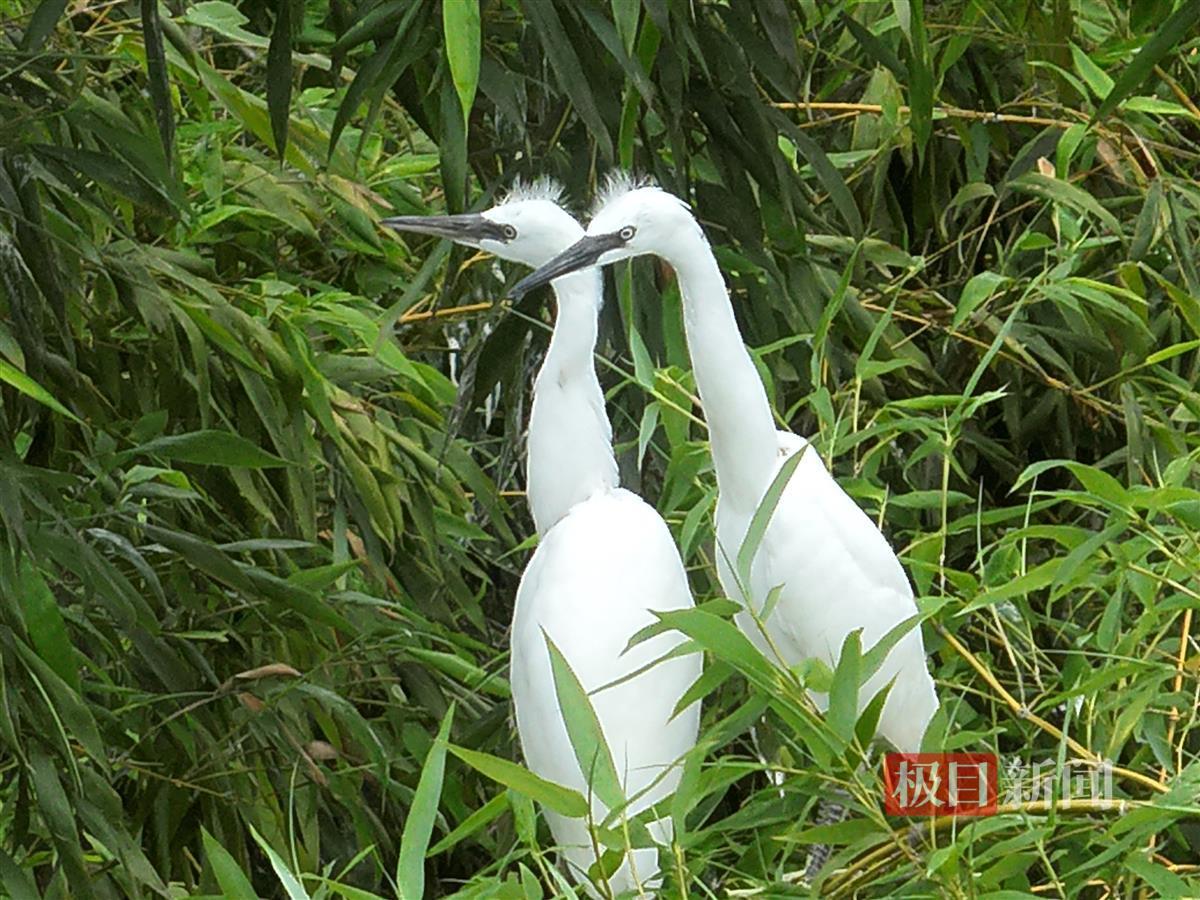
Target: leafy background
{"x": 261, "y": 462}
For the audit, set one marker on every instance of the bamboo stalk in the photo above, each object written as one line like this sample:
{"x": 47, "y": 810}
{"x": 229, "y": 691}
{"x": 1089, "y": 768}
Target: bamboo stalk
{"x": 1024, "y": 712}
{"x": 443, "y": 313}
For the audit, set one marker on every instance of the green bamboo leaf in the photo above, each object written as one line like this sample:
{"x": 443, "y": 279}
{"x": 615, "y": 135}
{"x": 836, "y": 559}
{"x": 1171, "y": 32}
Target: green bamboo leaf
{"x": 418, "y": 827}
{"x": 1184, "y": 246}
{"x": 831, "y": 179}
{"x": 379, "y": 21}
{"x": 1034, "y": 579}
{"x": 1096, "y": 481}
{"x": 1158, "y": 107}
{"x": 41, "y": 23}
{"x": 1165, "y": 882}
{"x": 30, "y": 388}
{"x": 157, "y": 78}
{"x": 461, "y": 29}
{"x": 225, "y": 19}
{"x": 279, "y": 76}
{"x": 587, "y": 737}
{"x": 56, "y": 810}
{"x": 568, "y": 69}
{"x": 1058, "y": 191}
{"x": 625, "y": 16}
{"x": 1171, "y": 352}
{"x": 873, "y": 658}
{"x": 452, "y": 149}
{"x": 710, "y": 679}
{"x": 762, "y": 515}
{"x": 978, "y": 290}
{"x": 606, "y": 32}
{"x": 562, "y": 800}
{"x": 472, "y": 824}
{"x": 296, "y": 597}
{"x": 1147, "y": 222}
{"x": 968, "y": 193}
{"x": 1095, "y": 77}
{"x": 70, "y": 707}
{"x": 209, "y": 448}
{"x": 875, "y": 48}
{"x": 867, "y": 726}
{"x": 378, "y": 73}
{"x": 45, "y": 625}
{"x": 113, "y": 172}
{"x": 1073, "y": 561}
{"x": 1066, "y": 148}
{"x": 17, "y": 883}
{"x": 1178, "y": 26}
{"x": 920, "y": 85}
{"x": 233, "y": 881}
{"x": 725, "y": 641}
{"x": 843, "y": 693}
{"x": 839, "y": 833}
{"x": 291, "y": 884}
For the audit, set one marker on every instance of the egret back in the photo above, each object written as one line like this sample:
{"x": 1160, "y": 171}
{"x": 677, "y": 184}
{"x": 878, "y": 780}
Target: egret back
{"x": 590, "y": 586}
{"x": 838, "y": 574}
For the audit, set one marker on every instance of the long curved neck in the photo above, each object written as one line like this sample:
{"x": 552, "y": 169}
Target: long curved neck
{"x": 570, "y": 437}
{"x": 740, "y": 425}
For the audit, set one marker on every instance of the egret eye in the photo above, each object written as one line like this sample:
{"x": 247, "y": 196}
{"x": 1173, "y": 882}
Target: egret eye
{"x": 626, "y": 234}
{"x": 509, "y": 232}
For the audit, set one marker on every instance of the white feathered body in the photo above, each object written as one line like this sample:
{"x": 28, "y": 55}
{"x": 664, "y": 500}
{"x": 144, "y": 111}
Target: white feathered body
{"x": 591, "y": 585}
{"x": 839, "y": 574}
{"x": 606, "y": 558}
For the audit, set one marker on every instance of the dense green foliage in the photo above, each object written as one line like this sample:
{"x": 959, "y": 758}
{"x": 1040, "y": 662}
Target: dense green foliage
{"x": 260, "y": 462}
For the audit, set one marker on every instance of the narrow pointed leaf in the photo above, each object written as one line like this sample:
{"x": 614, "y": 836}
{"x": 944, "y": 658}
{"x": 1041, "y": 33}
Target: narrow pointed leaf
{"x": 30, "y": 388}
{"x": 461, "y": 29}
{"x": 418, "y": 827}
{"x": 583, "y": 727}
{"x": 762, "y": 515}
{"x": 843, "y": 694}
{"x": 279, "y": 76}
{"x": 291, "y": 884}
{"x": 210, "y": 448}
{"x": 562, "y": 800}
{"x": 233, "y": 881}
{"x": 157, "y": 79}
{"x": 42, "y": 23}
{"x": 1178, "y": 26}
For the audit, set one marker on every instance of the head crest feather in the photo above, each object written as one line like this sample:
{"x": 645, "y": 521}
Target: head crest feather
{"x": 541, "y": 188}
{"x": 616, "y": 184}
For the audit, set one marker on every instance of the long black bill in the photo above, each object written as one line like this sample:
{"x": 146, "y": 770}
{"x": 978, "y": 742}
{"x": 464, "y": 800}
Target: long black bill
{"x": 583, "y": 253}
{"x": 467, "y": 228}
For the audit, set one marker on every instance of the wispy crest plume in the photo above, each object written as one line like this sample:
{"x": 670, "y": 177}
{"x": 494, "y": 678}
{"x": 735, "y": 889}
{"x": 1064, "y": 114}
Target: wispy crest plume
{"x": 541, "y": 188}
{"x": 617, "y": 183}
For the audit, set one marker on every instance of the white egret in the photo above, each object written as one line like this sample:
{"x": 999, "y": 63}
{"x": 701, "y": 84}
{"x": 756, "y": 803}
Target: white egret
{"x": 606, "y": 558}
{"x": 835, "y": 570}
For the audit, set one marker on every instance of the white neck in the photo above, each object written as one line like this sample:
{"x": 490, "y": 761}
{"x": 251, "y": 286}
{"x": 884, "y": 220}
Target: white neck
{"x": 570, "y": 438}
{"x": 741, "y": 428}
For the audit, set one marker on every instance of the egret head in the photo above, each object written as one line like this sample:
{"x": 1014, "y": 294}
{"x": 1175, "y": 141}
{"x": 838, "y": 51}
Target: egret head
{"x": 528, "y": 226}
{"x": 631, "y": 220}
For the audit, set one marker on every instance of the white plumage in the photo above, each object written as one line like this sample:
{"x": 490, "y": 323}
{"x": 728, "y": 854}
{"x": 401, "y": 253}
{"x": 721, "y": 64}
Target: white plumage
{"x": 590, "y": 586}
{"x": 606, "y": 560}
{"x": 839, "y": 574}
{"x": 836, "y": 569}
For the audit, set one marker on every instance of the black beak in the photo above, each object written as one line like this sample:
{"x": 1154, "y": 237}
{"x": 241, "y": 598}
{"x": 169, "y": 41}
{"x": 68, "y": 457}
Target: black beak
{"x": 468, "y": 228}
{"x": 580, "y": 255}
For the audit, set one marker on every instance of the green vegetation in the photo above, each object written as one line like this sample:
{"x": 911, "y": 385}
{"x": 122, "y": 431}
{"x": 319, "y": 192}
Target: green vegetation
{"x": 260, "y": 462}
